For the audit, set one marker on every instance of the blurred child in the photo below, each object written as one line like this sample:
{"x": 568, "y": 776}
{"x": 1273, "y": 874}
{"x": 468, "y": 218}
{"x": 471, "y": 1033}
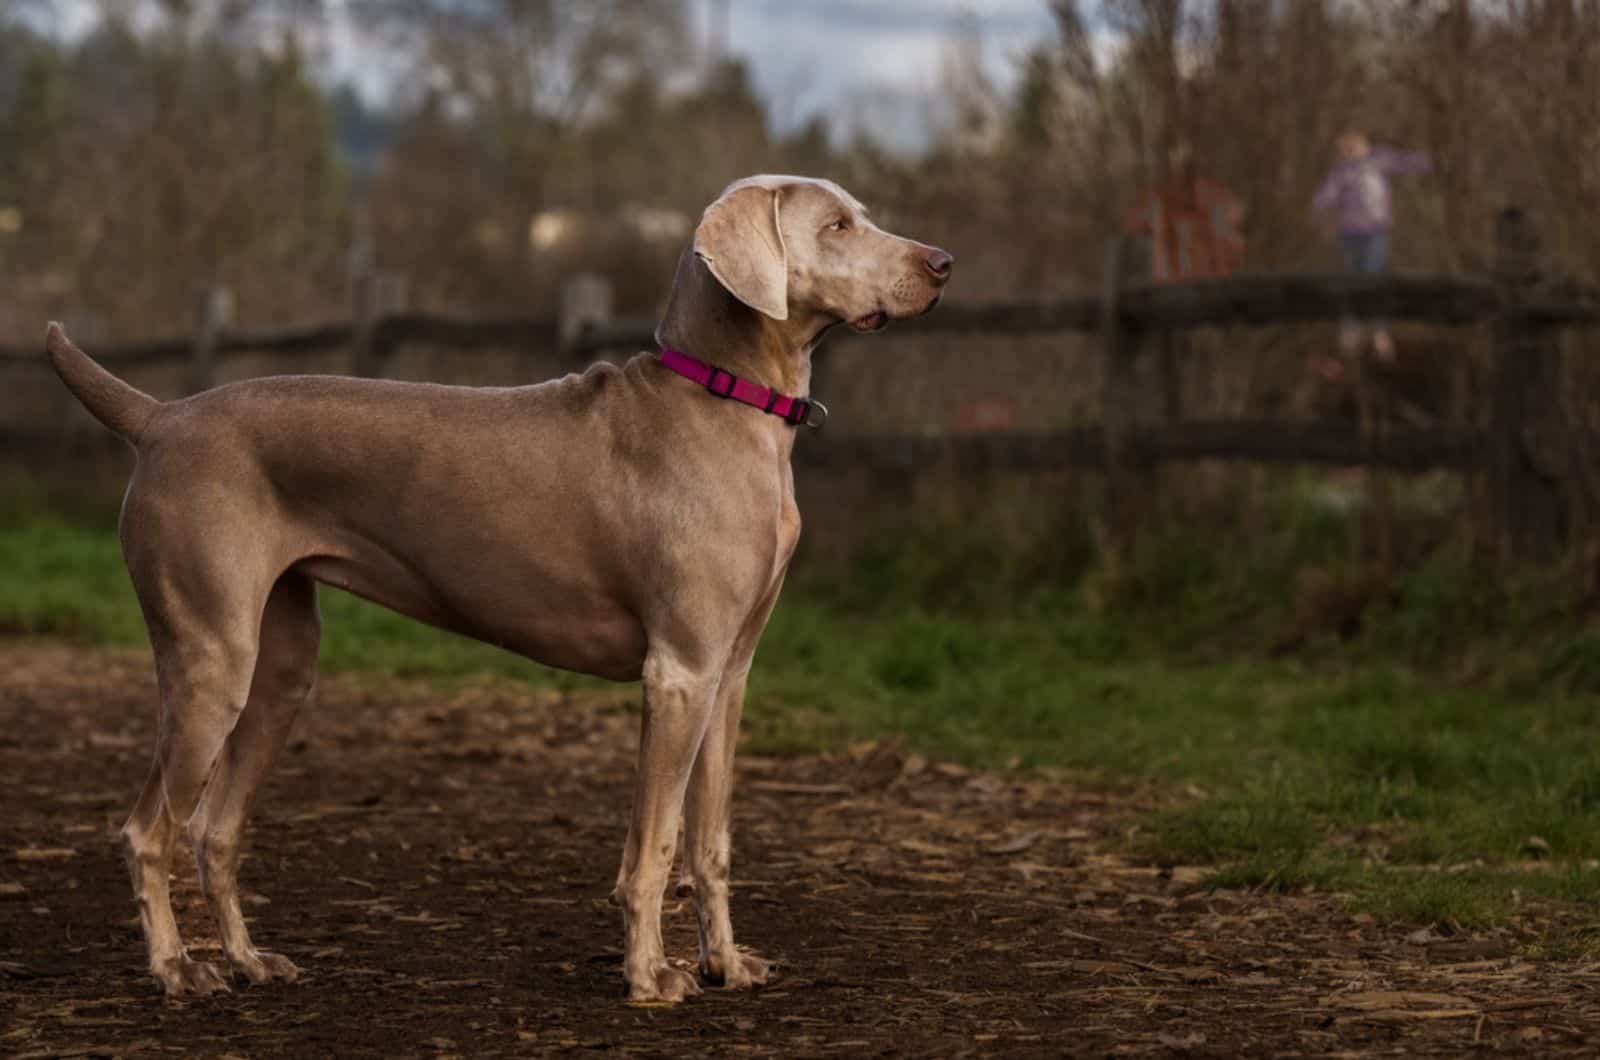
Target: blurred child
{"x": 1357, "y": 192}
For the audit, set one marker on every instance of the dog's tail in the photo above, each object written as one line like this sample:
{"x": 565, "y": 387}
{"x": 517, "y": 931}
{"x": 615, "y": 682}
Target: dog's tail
{"x": 114, "y": 403}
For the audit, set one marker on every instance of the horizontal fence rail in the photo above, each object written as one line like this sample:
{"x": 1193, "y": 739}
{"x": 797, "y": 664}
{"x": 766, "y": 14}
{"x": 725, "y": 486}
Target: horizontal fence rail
{"x": 1232, "y": 301}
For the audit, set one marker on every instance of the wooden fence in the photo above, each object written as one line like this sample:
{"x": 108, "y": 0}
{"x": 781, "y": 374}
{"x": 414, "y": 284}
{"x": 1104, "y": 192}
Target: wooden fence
{"x": 1520, "y": 302}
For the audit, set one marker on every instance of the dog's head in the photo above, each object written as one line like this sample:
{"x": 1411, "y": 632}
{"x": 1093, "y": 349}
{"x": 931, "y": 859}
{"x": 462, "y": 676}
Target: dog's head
{"x": 796, "y": 247}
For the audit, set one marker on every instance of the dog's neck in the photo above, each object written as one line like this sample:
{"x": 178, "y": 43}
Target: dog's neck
{"x": 703, "y": 320}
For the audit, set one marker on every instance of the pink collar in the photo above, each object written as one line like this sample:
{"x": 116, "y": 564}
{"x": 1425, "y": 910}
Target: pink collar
{"x": 724, "y": 384}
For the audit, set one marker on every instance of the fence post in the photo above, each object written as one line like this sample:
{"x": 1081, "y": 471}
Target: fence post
{"x": 1375, "y": 541}
{"x": 1528, "y": 509}
{"x": 1119, "y": 407}
{"x": 375, "y": 294}
{"x": 586, "y": 300}
{"x": 1170, "y": 368}
{"x": 365, "y": 314}
{"x": 216, "y": 313}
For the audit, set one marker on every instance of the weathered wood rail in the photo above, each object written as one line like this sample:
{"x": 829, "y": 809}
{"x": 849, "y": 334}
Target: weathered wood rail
{"x": 1517, "y": 301}
{"x": 1243, "y": 300}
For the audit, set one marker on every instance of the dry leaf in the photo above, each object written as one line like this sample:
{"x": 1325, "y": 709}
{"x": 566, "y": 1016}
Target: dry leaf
{"x": 1015, "y": 845}
{"x": 1388, "y": 999}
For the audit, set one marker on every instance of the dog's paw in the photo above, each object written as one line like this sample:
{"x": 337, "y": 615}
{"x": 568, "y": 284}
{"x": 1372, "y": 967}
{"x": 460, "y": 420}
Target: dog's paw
{"x": 662, "y": 985}
{"x": 259, "y": 966}
{"x": 181, "y": 976}
{"x": 739, "y": 970}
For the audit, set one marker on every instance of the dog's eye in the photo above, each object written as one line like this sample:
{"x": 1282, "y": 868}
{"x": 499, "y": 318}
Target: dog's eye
{"x": 841, "y": 224}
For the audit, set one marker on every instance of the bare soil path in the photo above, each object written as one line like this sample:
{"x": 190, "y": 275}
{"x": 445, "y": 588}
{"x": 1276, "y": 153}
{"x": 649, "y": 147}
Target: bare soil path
{"x": 438, "y": 862}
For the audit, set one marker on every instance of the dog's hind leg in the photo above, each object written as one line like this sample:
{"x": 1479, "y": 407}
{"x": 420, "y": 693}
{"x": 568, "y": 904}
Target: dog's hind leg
{"x": 202, "y": 693}
{"x": 149, "y": 838}
{"x": 285, "y": 674}
{"x": 204, "y": 622}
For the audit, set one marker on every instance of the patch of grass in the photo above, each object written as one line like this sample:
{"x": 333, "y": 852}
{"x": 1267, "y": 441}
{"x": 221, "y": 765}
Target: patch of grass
{"x": 66, "y": 579}
{"x": 1456, "y": 901}
{"x": 1270, "y": 827}
{"x": 1283, "y": 875}
{"x": 1474, "y": 897}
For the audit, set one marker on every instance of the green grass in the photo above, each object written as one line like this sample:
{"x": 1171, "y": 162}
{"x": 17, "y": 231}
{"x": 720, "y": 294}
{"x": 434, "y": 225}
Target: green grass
{"x": 1343, "y": 766}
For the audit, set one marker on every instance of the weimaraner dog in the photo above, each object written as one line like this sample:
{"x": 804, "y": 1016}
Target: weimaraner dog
{"x": 626, "y": 522}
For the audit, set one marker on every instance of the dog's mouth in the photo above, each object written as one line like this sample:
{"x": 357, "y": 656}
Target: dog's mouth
{"x": 876, "y": 320}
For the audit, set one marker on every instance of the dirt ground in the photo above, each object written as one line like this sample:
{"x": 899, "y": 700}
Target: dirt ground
{"x": 438, "y": 862}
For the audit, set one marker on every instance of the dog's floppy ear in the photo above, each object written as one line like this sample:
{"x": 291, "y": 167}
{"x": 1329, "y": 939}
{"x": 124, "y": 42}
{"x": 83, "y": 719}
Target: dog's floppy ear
{"x": 741, "y": 242}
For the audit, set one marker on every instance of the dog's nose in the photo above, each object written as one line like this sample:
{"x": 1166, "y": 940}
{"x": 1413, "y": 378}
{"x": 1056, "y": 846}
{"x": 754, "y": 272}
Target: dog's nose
{"x": 938, "y": 263}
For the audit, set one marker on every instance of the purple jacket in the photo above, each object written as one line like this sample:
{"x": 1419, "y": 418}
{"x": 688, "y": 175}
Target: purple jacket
{"x": 1358, "y": 188}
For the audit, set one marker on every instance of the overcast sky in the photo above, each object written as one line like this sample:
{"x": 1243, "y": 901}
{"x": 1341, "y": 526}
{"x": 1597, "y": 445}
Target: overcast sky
{"x": 872, "y": 62}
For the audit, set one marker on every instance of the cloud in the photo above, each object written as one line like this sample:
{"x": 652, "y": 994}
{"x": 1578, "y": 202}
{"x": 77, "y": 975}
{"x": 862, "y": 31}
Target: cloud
{"x": 877, "y": 61}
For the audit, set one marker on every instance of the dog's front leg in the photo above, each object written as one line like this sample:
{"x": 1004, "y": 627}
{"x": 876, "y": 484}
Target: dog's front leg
{"x": 707, "y": 819}
{"x": 708, "y": 837}
{"x": 677, "y": 705}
